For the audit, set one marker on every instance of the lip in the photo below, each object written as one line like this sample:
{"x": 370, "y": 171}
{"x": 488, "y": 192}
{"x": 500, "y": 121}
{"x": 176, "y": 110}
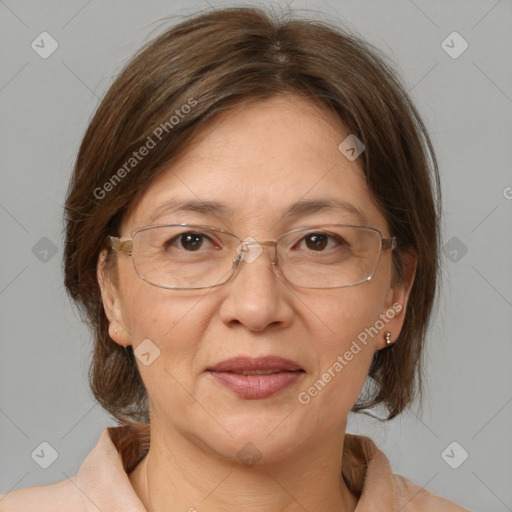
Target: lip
{"x": 238, "y": 375}
{"x": 246, "y": 364}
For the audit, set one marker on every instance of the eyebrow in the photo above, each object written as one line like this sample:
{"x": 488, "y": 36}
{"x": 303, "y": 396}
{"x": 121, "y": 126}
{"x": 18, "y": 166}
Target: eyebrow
{"x": 297, "y": 209}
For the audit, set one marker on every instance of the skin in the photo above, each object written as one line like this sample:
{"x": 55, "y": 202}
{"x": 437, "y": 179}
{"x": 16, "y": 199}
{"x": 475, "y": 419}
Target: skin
{"x": 258, "y": 160}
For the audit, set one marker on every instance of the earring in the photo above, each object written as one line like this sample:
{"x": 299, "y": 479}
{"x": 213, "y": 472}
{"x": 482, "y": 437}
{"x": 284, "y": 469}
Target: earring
{"x": 387, "y": 336}
{"x": 115, "y": 330}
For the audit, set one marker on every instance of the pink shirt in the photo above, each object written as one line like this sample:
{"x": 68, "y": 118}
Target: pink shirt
{"x": 102, "y": 483}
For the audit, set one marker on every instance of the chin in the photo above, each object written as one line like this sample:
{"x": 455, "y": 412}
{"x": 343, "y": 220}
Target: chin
{"x": 254, "y": 449}
{"x": 269, "y": 437}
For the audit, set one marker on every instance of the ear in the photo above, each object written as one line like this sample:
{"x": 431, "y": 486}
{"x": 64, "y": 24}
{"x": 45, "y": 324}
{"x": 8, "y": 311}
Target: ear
{"x": 397, "y": 298}
{"x": 111, "y": 301}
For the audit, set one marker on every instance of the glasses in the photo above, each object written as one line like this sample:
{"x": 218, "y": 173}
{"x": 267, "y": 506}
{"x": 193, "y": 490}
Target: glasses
{"x": 189, "y": 257}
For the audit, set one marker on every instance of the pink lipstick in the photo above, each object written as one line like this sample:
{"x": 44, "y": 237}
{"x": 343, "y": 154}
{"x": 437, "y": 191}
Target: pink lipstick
{"x": 255, "y": 378}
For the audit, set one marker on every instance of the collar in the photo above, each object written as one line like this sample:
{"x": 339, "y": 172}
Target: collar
{"x": 104, "y": 483}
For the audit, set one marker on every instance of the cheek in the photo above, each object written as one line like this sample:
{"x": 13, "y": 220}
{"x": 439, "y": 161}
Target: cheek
{"x": 170, "y": 323}
{"x": 168, "y": 318}
{"x": 343, "y": 335}
{"x": 344, "y": 315}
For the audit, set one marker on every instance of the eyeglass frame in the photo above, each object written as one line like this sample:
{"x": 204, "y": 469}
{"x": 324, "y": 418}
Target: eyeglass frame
{"x": 125, "y": 246}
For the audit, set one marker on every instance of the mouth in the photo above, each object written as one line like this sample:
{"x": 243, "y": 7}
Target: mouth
{"x": 258, "y": 372}
{"x": 256, "y": 378}
{"x": 256, "y": 365}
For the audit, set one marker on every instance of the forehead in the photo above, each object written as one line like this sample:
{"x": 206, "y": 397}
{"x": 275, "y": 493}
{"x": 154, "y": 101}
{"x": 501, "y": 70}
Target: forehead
{"x": 258, "y": 161}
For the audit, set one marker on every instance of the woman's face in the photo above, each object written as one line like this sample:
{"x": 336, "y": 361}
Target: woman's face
{"x": 257, "y": 161}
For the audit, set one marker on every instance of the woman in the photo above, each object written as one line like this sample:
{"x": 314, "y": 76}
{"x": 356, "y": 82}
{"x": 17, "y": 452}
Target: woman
{"x": 252, "y": 232}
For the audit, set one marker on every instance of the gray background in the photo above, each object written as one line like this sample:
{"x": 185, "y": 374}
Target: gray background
{"x": 45, "y": 105}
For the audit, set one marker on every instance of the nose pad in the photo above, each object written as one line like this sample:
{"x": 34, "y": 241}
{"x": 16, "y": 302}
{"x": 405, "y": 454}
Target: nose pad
{"x": 250, "y": 250}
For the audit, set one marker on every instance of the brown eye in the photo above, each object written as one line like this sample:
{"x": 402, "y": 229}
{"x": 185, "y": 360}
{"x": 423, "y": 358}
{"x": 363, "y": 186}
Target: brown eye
{"x": 321, "y": 242}
{"x": 189, "y": 241}
{"x": 316, "y": 241}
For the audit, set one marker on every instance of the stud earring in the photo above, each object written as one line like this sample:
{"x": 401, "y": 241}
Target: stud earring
{"x": 387, "y": 336}
{"x": 115, "y": 330}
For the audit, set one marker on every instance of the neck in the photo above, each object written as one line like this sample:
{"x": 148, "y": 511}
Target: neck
{"x": 184, "y": 476}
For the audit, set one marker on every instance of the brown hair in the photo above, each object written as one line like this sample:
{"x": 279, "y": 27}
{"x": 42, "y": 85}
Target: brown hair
{"x": 220, "y": 60}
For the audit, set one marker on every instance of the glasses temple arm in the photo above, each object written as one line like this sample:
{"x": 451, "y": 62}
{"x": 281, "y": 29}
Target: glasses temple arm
{"x": 390, "y": 243}
{"x": 124, "y": 246}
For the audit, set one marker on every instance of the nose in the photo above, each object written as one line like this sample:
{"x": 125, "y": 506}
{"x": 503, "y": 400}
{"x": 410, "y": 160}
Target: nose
{"x": 256, "y": 295}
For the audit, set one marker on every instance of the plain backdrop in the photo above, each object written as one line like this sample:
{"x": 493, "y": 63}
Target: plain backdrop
{"x": 465, "y": 97}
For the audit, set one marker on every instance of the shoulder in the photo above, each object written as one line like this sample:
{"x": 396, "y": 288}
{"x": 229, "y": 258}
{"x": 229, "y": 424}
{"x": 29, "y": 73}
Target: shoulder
{"x": 102, "y": 481}
{"x": 418, "y": 499}
{"x": 59, "y": 497}
{"x": 367, "y": 472}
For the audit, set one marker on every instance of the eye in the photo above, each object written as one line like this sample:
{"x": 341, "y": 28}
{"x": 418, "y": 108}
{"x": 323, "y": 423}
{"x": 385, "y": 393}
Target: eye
{"x": 319, "y": 241}
{"x": 189, "y": 241}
